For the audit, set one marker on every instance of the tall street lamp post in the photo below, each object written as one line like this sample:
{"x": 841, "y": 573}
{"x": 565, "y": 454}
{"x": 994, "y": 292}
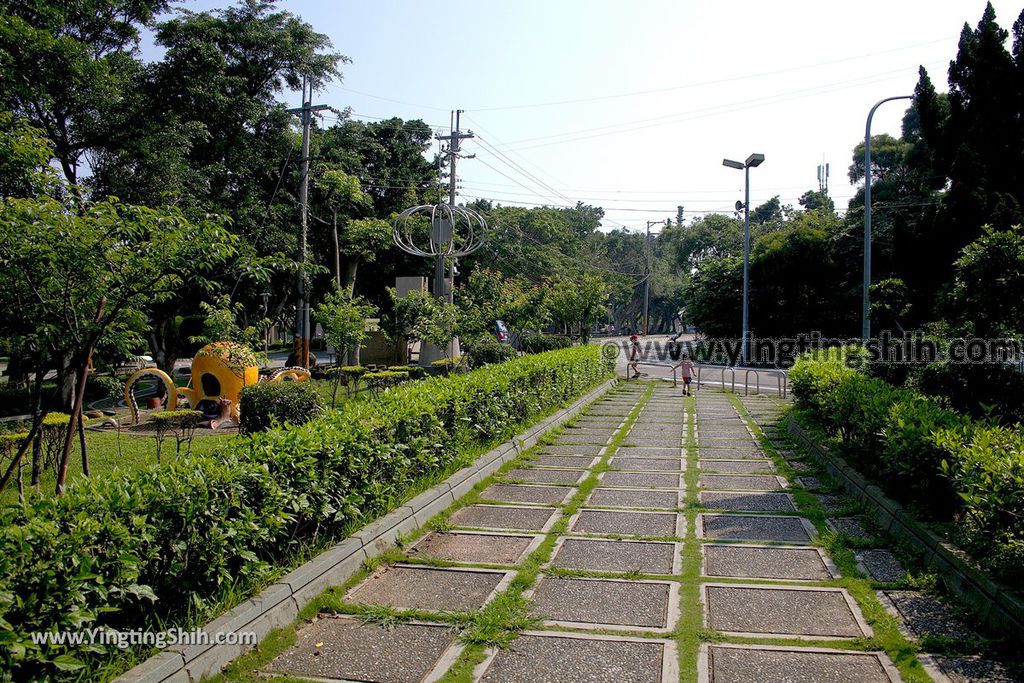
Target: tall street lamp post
{"x": 866, "y": 296}
{"x": 753, "y": 161}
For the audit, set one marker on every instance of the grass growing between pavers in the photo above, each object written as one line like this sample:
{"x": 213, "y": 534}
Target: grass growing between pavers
{"x": 690, "y": 632}
{"x": 886, "y": 633}
{"x": 498, "y": 623}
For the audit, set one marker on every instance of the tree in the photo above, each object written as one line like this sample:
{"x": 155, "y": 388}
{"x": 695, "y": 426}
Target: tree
{"x": 78, "y": 275}
{"x": 816, "y": 199}
{"x": 66, "y": 66}
{"x": 714, "y": 297}
{"x": 344, "y": 321}
{"x": 578, "y": 300}
{"x": 25, "y": 155}
{"x": 988, "y": 270}
{"x": 341, "y": 193}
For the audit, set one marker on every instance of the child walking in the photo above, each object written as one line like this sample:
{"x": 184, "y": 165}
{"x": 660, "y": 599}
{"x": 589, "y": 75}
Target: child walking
{"x": 685, "y": 366}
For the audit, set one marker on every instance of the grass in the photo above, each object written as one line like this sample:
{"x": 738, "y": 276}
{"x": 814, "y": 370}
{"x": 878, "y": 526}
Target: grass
{"x": 111, "y": 453}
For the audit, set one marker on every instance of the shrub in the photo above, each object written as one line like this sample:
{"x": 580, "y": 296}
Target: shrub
{"x": 181, "y": 423}
{"x": 979, "y": 390}
{"x": 103, "y": 386}
{"x": 52, "y": 433}
{"x": 415, "y": 371}
{"x": 911, "y": 457}
{"x": 486, "y": 349}
{"x": 539, "y": 343}
{"x": 449, "y": 364}
{"x": 385, "y": 379}
{"x": 264, "y": 404}
{"x": 145, "y": 549}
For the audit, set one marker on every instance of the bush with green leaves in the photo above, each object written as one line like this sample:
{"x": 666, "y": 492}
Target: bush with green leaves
{"x": 921, "y": 452}
{"x": 145, "y": 549}
{"x": 104, "y": 386}
{"x": 485, "y": 350}
{"x": 268, "y": 403}
{"x": 539, "y": 343}
{"x": 385, "y": 379}
{"x": 986, "y": 466}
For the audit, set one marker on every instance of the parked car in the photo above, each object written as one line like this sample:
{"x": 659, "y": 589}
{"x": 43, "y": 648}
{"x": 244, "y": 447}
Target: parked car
{"x": 501, "y": 332}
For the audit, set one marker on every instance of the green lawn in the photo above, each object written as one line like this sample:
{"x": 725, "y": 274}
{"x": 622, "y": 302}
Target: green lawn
{"x": 109, "y": 453}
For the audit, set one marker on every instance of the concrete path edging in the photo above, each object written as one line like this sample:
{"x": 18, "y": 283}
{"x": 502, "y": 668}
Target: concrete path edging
{"x": 996, "y": 605}
{"x": 279, "y": 604}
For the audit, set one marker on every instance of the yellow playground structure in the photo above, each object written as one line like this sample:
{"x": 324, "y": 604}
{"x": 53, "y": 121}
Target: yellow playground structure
{"x": 219, "y": 372}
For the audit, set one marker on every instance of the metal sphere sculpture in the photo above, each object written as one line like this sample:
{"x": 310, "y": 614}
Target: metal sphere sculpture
{"x": 454, "y": 231}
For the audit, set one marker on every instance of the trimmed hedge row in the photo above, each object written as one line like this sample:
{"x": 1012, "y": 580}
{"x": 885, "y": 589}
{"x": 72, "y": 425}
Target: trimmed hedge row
{"x": 154, "y": 546}
{"x": 942, "y": 462}
{"x": 266, "y": 404}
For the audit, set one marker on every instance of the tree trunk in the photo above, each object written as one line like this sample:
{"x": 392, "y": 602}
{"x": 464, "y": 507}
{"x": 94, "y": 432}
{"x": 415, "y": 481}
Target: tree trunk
{"x": 37, "y": 418}
{"x": 337, "y": 251}
{"x": 351, "y": 266}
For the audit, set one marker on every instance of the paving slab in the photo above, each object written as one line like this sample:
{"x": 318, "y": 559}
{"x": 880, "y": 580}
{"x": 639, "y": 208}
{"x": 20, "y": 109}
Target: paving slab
{"x": 351, "y": 650}
{"x": 656, "y": 480}
{"x": 736, "y": 466}
{"x": 580, "y": 449}
{"x": 750, "y": 452}
{"x": 799, "y": 465}
{"x": 521, "y": 493}
{"x": 476, "y": 547}
{"x": 505, "y": 517}
{"x": 880, "y": 565}
{"x": 627, "y": 523}
{"x": 726, "y": 444}
{"x": 721, "y": 431}
{"x": 767, "y": 562}
{"x": 605, "y": 555}
{"x": 605, "y": 431}
{"x": 850, "y": 527}
{"x": 608, "y": 603}
{"x": 782, "y": 611}
{"x": 745, "y": 501}
{"x": 832, "y": 503}
{"x": 635, "y": 498}
{"x": 653, "y": 441}
{"x": 723, "y": 663}
{"x": 924, "y": 615}
{"x": 546, "y": 476}
{"x": 811, "y": 483}
{"x": 579, "y": 462}
{"x": 741, "y": 482}
{"x": 573, "y": 438}
{"x": 559, "y": 658}
{"x": 648, "y": 452}
{"x": 427, "y": 588}
{"x": 770, "y": 528}
{"x": 598, "y": 420}
{"x": 646, "y": 464}
{"x": 968, "y": 669}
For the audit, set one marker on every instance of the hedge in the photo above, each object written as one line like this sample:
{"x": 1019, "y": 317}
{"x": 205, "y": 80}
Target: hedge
{"x": 149, "y": 548}
{"x": 263, "y": 405}
{"x": 539, "y": 343}
{"x": 947, "y": 465}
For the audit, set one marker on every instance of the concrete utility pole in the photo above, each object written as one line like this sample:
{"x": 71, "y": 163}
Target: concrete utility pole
{"x": 305, "y": 113}
{"x": 454, "y": 145}
{"x": 647, "y": 275}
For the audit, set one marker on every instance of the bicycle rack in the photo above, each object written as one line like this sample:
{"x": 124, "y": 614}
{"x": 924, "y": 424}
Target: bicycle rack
{"x": 781, "y": 379}
{"x": 746, "y": 382}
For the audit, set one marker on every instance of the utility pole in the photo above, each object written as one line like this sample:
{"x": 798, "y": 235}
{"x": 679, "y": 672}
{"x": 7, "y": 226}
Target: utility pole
{"x": 454, "y": 145}
{"x": 305, "y": 113}
{"x": 679, "y": 215}
{"x": 647, "y": 275}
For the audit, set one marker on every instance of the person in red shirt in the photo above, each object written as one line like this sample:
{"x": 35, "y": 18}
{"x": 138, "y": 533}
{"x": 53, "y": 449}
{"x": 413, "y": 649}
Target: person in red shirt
{"x": 685, "y": 366}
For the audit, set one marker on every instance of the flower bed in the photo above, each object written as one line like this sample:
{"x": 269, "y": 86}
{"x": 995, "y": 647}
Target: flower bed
{"x": 157, "y": 546}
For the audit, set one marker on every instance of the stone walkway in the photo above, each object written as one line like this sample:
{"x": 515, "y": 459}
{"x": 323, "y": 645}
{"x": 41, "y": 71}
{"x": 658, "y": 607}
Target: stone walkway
{"x": 653, "y": 540}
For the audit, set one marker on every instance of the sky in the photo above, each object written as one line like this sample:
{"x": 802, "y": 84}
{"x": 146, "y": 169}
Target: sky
{"x": 633, "y": 105}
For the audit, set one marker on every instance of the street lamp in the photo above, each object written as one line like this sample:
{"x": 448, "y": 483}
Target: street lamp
{"x": 753, "y": 161}
{"x": 866, "y": 297}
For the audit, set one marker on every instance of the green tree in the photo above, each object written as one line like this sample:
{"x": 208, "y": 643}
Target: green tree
{"x": 344, "y": 321}
{"x": 578, "y": 301}
{"x": 65, "y": 67}
{"x": 75, "y": 276}
{"x": 988, "y": 273}
{"x": 341, "y": 193}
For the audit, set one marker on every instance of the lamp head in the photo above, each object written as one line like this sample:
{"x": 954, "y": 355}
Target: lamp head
{"x": 754, "y": 160}
{"x": 732, "y": 164}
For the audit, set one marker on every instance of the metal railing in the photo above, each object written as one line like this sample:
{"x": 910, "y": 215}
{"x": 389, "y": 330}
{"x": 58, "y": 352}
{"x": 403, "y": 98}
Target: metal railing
{"x": 781, "y": 379}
